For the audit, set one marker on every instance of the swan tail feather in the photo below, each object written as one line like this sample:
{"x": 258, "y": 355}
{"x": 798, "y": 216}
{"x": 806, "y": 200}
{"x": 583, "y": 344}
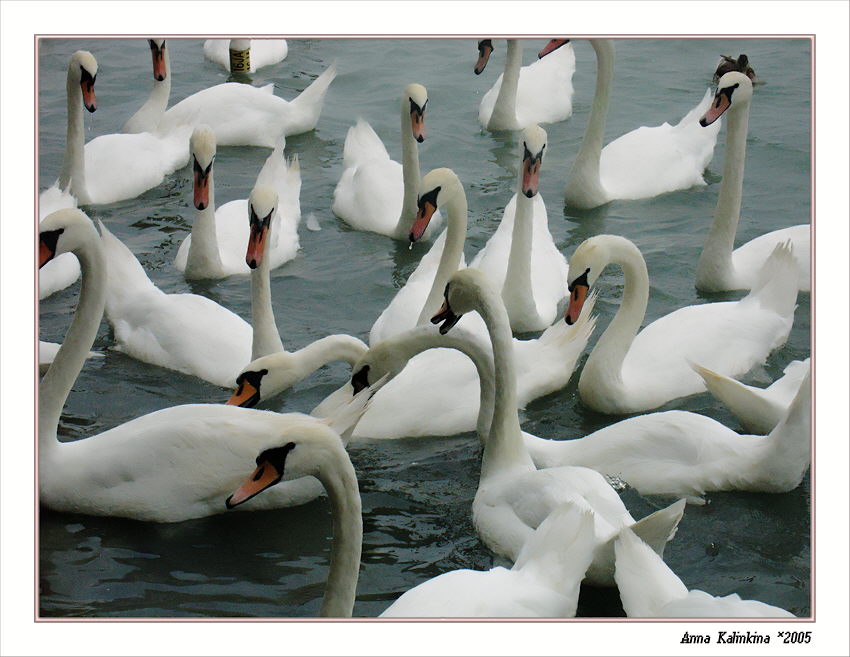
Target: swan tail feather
{"x": 750, "y": 405}
{"x": 776, "y": 285}
{"x": 309, "y": 102}
{"x": 792, "y": 452}
{"x": 344, "y": 418}
{"x": 125, "y": 276}
{"x": 645, "y": 582}
{"x": 659, "y": 527}
{"x": 362, "y": 144}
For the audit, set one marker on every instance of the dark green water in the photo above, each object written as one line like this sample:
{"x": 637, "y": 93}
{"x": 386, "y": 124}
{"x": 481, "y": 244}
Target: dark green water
{"x": 416, "y": 493}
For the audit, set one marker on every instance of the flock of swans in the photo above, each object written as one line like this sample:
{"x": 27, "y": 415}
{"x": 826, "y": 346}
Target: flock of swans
{"x": 545, "y": 504}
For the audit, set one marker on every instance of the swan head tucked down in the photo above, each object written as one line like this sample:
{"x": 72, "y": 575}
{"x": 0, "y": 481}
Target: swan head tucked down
{"x": 417, "y": 97}
{"x": 437, "y": 188}
{"x": 463, "y": 294}
{"x": 588, "y": 261}
{"x": 734, "y": 90}
{"x": 262, "y": 205}
{"x": 203, "y": 149}
{"x": 266, "y": 377}
{"x": 64, "y": 231}
{"x": 160, "y": 69}
{"x": 82, "y": 70}
{"x": 485, "y": 49}
{"x": 533, "y": 146}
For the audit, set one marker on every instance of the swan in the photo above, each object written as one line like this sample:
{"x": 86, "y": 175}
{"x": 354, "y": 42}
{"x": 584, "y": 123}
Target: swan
{"x": 628, "y": 372}
{"x": 63, "y": 270}
{"x": 374, "y": 193}
{"x": 113, "y": 167}
{"x": 187, "y": 332}
{"x": 541, "y": 92}
{"x": 242, "y": 115}
{"x": 544, "y": 582}
{"x": 719, "y": 267}
{"x": 47, "y": 353}
{"x": 758, "y": 410}
{"x": 649, "y": 589}
{"x": 645, "y": 162}
{"x": 167, "y": 466}
{"x": 521, "y": 257}
{"x": 245, "y": 55}
{"x": 221, "y": 234}
{"x": 148, "y": 115}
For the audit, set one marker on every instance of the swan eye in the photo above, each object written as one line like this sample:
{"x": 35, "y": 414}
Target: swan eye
{"x": 196, "y": 167}
{"x": 581, "y": 280}
{"x": 276, "y": 457}
{"x": 428, "y": 197}
{"x": 526, "y": 155}
{"x": 415, "y": 109}
{"x": 361, "y": 379}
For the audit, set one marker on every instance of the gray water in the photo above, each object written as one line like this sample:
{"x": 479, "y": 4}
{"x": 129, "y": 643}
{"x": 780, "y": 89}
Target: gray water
{"x": 417, "y": 494}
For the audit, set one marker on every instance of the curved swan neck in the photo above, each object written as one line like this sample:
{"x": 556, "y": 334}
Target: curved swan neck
{"x": 329, "y": 349}
{"x": 410, "y": 172}
{"x": 344, "y": 495}
{"x": 612, "y": 347}
{"x": 266, "y": 336}
{"x": 504, "y": 110}
{"x": 73, "y": 174}
{"x": 204, "y": 257}
{"x": 56, "y": 385}
{"x": 716, "y": 257}
{"x": 450, "y": 258}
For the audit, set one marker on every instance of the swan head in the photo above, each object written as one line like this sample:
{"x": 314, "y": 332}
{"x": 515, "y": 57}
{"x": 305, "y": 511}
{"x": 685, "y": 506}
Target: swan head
{"x": 726, "y": 64}
{"x": 261, "y": 208}
{"x": 63, "y": 231}
{"x": 83, "y": 71}
{"x": 160, "y": 68}
{"x": 417, "y": 96}
{"x": 302, "y": 449}
{"x": 203, "y": 148}
{"x": 533, "y": 146}
{"x": 437, "y": 188}
{"x": 734, "y": 90}
{"x": 553, "y": 45}
{"x": 266, "y": 377}
{"x": 588, "y": 261}
{"x": 485, "y": 49}
{"x": 463, "y": 294}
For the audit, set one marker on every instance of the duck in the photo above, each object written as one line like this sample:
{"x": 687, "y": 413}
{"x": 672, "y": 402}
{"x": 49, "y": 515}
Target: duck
{"x": 719, "y": 267}
{"x": 650, "y": 589}
{"x": 544, "y": 582}
{"x": 170, "y": 465}
{"x": 221, "y": 234}
{"x": 245, "y": 55}
{"x": 513, "y": 496}
{"x": 188, "y": 332}
{"x": 521, "y": 257}
{"x": 758, "y": 410}
{"x": 541, "y": 92}
{"x": 631, "y": 372}
{"x": 727, "y": 63}
{"x": 113, "y": 167}
{"x": 375, "y": 193}
{"x": 146, "y": 118}
{"x": 643, "y": 163}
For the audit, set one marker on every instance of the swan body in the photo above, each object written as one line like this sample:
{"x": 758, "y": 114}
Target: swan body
{"x": 170, "y": 465}
{"x": 63, "y": 270}
{"x": 221, "y": 234}
{"x": 47, "y": 353}
{"x": 758, "y": 410}
{"x": 513, "y": 497}
{"x": 538, "y": 93}
{"x": 643, "y": 163}
{"x": 628, "y": 372}
{"x": 378, "y": 194}
{"x": 649, "y": 589}
{"x": 112, "y": 167}
{"x": 719, "y": 267}
{"x": 262, "y": 52}
{"x": 242, "y": 115}
{"x": 521, "y": 257}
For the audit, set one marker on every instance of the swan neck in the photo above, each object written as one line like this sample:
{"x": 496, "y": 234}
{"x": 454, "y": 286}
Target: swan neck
{"x": 607, "y": 357}
{"x": 73, "y": 173}
{"x": 518, "y": 277}
{"x": 344, "y": 496}
{"x": 504, "y": 110}
{"x": 594, "y": 134}
{"x": 410, "y": 172}
{"x": 450, "y": 258}
{"x": 204, "y": 256}
{"x": 716, "y": 255}
{"x": 266, "y": 336}
{"x": 57, "y": 383}
{"x": 329, "y": 349}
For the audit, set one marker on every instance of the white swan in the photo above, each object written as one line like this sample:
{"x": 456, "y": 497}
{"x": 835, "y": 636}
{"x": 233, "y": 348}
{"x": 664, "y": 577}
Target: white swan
{"x": 628, "y": 372}
{"x": 375, "y": 193}
{"x": 541, "y": 92}
{"x": 112, "y": 167}
{"x": 521, "y": 257}
{"x": 543, "y": 583}
{"x": 187, "y": 332}
{"x": 758, "y": 410}
{"x": 47, "y": 353}
{"x": 62, "y": 271}
{"x": 641, "y": 164}
{"x": 148, "y": 115}
{"x": 649, "y": 589}
{"x": 216, "y": 247}
{"x": 719, "y": 267}
{"x": 242, "y": 115}
{"x": 167, "y": 466}
{"x": 251, "y": 54}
